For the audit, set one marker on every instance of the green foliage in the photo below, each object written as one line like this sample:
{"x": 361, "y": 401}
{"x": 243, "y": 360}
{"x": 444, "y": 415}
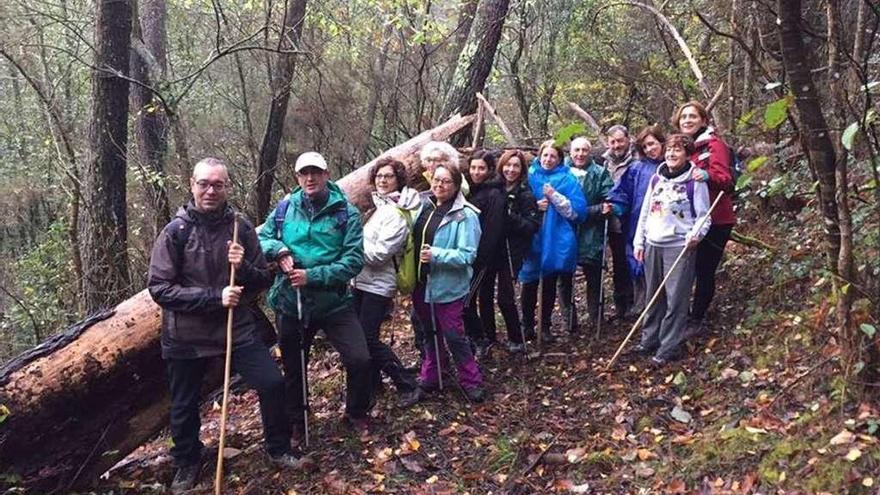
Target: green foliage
{"x": 776, "y": 112}
{"x": 849, "y": 135}
{"x": 45, "y": 299}
{"x": 565, "y": 135}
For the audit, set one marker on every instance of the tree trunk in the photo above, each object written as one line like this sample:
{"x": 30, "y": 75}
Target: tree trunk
{"x": 280, "y": 83}
{"x": 104, "y": 224}
{"x": 83, "y": 400}
{"x": 151, "y": 123}
{"x": 814, "y": 127}
{"x": 475, "y": 62}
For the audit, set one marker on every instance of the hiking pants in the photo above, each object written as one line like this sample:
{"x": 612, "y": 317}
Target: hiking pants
{"x": 593, "y": 276}
{"x": 506, "y": 304}
{"x": 450, "y": 333}
{"x": 530, "y": 303}
{"x": 623, "y": 289}
{"x": 256, "y": 366}
{"x": 709, "y": 254}
{"x": 343, "y": 330}
{"x": 664, "y": 327}
{"x": 371, "y": 309}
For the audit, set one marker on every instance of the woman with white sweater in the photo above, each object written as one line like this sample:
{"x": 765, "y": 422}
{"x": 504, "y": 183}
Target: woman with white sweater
{"x": 669, "y": 221}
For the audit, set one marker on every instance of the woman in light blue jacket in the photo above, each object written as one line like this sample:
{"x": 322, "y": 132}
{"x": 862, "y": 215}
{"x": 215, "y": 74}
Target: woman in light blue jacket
{"x": 447, "y": 234}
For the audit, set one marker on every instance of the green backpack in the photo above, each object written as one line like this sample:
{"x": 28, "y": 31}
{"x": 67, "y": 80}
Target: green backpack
{"x": 406, "y": 268}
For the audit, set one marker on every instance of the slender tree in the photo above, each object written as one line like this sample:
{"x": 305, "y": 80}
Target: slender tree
{"x": 148, "y": 65}
{"x": 104, "y": 225}
{"x": 475, "y": 62}
{"x": 281, "y": 78}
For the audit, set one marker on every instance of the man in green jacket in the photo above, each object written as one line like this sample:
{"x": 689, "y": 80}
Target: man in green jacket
{"x": 596, "y": 182}
{"x": 316, "y": 237}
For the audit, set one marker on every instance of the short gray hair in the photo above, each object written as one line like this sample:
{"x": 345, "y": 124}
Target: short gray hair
{"x": 210, "y": 162}
{"x": 443, "y": 148}
{"x": 617, "y": 128}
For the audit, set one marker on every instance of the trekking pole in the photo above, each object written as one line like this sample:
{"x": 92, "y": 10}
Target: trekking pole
{"x": 541, "y": 286}
{"x": 522, "y": 332}
{"x": 601, "y": 314}
{"x": 436, "y": 338}
{"x": 218, "y": 476}
{"x": 302, "y": 365}
{"x": 662, "y": 285}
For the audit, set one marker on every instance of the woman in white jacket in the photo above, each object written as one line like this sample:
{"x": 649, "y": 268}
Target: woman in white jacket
{"x": 385, "y": 234}
{"x": 669, "y": 222}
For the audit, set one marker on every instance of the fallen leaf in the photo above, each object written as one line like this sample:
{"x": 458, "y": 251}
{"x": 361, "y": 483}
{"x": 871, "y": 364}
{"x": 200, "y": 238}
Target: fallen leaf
{"x": 728, "y": 373}
{"x": 868, "y": 482}
{"x": 681, "y": 415}
{"x": 676, "y": 486}
{"x": 574, "y": 455}
{"x": 432, "y": 479}
{"x": 645, "y": 454}
{"x": 584, "y": 488}
{"x": 644, "y": 472}
{"x": 853, "y": 455}
{"x": 411, "y": 464}
{"x": 842, "y": 438}
{"x": 618, "y": 433}
{"x": 229, "y": 452}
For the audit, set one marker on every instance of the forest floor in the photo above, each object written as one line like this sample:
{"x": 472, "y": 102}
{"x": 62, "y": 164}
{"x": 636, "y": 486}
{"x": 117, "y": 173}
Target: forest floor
{"x": 758, "y": 406}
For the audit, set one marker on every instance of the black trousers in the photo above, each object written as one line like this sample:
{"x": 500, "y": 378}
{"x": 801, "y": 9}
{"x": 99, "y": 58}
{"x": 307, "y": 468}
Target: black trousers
{"x": 371, "y": 310}
{"x": 710, "y": 251}
{"x": 530, "y": 303}
{"x": 623, "y": 286}
{"x": 256, "y": 366}
{"x": 343, "y": 330}
{"x": 506, "y": 304}
{"x": 593, "y": 275}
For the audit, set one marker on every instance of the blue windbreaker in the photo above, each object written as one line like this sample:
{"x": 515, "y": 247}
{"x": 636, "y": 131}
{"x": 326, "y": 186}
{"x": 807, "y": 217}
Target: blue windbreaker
{"x": 626, "y": 199}
{"x": 554, "y": 247}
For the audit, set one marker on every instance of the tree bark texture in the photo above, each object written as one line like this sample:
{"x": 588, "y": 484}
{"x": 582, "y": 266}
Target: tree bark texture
{"x": 83, "y": 400}
{"x": 103, "y": 229}
{"x": 151, "y": 122}
{"x": 475, "y": 62}
{"x": 814, "y": 127}
{"x": 280, "y": 83}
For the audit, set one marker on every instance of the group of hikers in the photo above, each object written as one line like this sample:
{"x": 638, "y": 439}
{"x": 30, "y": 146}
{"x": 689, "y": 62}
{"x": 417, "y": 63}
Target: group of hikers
{"x": 502, "y": 219}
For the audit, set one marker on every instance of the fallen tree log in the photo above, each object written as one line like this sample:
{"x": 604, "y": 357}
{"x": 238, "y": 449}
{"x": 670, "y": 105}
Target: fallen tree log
{"x": 74, "y": 406}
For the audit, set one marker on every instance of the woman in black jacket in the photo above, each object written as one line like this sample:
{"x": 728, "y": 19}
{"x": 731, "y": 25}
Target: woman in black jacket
{"x": 521, "y": 221}
{"x": 487, "y": 194}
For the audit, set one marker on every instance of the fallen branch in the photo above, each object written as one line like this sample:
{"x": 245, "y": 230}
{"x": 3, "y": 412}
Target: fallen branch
{"x": 751, "y": 242}
{"x": 528, "y": 469}
{"x": 504, "y": 129}
{"x": 586, "y": 117}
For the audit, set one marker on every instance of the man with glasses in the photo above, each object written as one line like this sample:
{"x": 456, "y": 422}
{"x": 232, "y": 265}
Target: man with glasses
{"x": 188, "y": 278}
{"x": 316, "y": 237}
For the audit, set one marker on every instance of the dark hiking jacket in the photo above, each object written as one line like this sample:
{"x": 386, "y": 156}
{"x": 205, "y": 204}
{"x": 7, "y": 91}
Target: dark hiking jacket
{"x": 188, "y": 271}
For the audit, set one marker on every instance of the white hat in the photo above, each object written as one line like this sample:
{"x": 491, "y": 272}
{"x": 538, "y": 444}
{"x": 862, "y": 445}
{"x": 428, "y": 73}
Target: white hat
{"x": 310, "y": 159}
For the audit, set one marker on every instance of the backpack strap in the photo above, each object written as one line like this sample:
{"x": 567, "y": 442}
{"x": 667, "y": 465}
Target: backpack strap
{"x": 179, "y": 230}
{"x": 689, "y": 187}
{"x": 280, "y": 213}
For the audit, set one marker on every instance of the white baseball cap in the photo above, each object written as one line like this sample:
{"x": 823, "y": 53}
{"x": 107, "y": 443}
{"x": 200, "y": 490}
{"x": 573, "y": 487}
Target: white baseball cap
{"x": 310, "y": 159}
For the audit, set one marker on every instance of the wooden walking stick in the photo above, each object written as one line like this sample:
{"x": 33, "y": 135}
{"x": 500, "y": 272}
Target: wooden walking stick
{"x": 218, "y": 478}
{"x": 662, "y": 285}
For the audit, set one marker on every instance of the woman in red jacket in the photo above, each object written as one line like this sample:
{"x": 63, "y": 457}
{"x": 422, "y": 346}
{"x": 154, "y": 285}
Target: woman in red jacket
{"x": 713, "y": 165}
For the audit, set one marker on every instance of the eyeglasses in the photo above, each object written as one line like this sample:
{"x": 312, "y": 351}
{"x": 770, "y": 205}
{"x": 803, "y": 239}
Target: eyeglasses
{"x": 204, "y": 185}
{"x": 436, "y": 159}
{"x": 385, "y": 176}
{"x": 442, "y": 182}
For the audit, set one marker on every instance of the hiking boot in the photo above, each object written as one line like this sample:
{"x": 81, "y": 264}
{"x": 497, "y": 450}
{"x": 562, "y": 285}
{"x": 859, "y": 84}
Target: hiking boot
{"x": 642, "y": 350}
{"x": 659, "y": 362}
{"x": 409, "y": 399}
{"x": 185, "y": 478}
{"x": 695, "y": 328}
{"x": 287, "y": 460}
{"x": 476, "y": 394}
{"x": 514, "y": 348}
{"x": 361, "y": 426}
{"x": 481, "y": 350}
